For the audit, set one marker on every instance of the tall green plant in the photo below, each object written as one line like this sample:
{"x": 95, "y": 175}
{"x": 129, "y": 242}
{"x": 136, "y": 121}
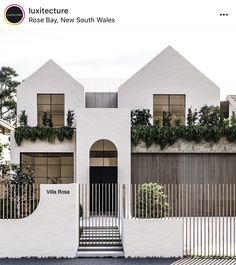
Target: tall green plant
{"x": 192, "y": 117}
{"x": 8, "y": 86}
{"x": 47, "y": 119}
{"x": 70, "y": 118}
{"x": 23, "y": 118}
{"x": 151, "y": 201}
{"x": 166, "y": 119}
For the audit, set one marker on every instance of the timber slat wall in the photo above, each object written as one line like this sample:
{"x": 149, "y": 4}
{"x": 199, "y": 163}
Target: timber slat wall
{"x": 183, "y": 168}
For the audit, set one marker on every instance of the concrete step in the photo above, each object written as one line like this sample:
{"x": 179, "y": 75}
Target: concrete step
{"x": 100, "y": 243}
{"x": 100, "y": 248}
{"x": 100, "y": 254}
{"x": 96, "y": 228}
{"x": 90, "y": 232}
{"x": 99, "y": 238}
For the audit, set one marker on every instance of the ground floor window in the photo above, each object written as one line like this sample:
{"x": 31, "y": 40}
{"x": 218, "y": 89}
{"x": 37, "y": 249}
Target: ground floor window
{"x": 50, "y": 168}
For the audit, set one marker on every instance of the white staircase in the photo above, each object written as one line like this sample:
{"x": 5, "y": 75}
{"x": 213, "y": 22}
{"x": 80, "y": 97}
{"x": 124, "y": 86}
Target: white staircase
{"x": 100, "y": 242}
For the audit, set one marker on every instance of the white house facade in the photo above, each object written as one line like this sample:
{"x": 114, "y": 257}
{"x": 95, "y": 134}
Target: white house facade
{"x": 167, "y": 83}
{"x": 93, "y": 158}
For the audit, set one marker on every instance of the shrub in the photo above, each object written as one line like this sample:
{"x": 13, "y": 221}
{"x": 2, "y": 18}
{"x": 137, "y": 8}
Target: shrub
{"x": 211, "y": 116}
{"x": 151, "y": 202}
{"x": 192, "y": 117}
{"x": 56, "y": 180}
{"x": 45, "y": 133}
{"x": 140, "y": 117}
{"x": 208, "y": 124}
{"x": 177, "y": 122}
{"x": 166, "y": 119}
{"x": 47, "y": 119}
{"x": 23, "y": 119}
{"x": 70, "y": 118}
{"x": 17, "y": 191}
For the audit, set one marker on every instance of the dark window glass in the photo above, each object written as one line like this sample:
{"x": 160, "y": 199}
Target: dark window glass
{"x": 54, "y": 104}
{"x": 50, "y": 167}
{"x": 173, "y": 104}
{"x": 103, "y": 153}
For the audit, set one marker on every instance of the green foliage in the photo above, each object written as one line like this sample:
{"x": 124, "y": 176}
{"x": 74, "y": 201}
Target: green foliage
{"x": 165, "y": 136}
{"x": 8, "y": 86}
{"x": 18, "y": 191}
{"x": 70, "y": 118}
{"x": 45, "y": 133}
{"x": 2, "y": 146}
{"x": 233, "y": 119}
{"x": 42, "y": 133}
{"x": 166, "y": 119}
{"x": 23, "y": 119}
{"x": 157, "y": 122}
{"x": 177, "y": 122}
{"x": 15, "y": 174}
{"x": 208, "y": 124}
{"x": 192, "y": 117}
{"x": 151, "y": 201}
{"x": 211, "y": 116}
{"x": 56, "y": 180}
{"x": 47, "y": 119}
{"x": 140, "y": 117}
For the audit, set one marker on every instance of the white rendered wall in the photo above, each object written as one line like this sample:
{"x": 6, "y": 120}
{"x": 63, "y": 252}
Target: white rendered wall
{"x": 4, "y": 139}
{"x": 168, "y": 73}
{"x": 49, "y": 79}
{"x": 231, "y": 109}
{"x": 51, "y": 231}
{"x": 153, "y": 238}
{"x": 67, "y": 146}
{"x": 97, "y": 124}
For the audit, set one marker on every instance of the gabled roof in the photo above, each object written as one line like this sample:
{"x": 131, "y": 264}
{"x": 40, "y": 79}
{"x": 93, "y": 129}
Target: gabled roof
{"x": 160, "y": 65}
{"x": 101, "y": 84}
{"x": 52, "y": 70}
{"x": 232, "y": 99}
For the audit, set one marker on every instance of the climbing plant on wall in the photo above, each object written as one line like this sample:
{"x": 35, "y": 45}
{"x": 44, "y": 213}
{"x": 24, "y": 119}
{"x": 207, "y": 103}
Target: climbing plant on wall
{"x": 207, "y": 124}
{"x": 45, "y": 133}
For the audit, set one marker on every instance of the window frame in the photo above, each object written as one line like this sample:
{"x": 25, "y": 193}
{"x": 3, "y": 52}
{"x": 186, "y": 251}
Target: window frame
{"x": 48, "y": 155}
{"x": 51, "y": 104}
{"x": 169, "y": 105}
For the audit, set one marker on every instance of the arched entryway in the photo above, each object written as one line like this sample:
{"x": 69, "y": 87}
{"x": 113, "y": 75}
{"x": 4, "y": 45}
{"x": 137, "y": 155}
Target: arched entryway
{"x": 103, "y": 178}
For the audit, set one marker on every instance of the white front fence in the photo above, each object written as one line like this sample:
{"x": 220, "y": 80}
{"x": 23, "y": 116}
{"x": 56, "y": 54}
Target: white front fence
{"x": 146, "y": 220}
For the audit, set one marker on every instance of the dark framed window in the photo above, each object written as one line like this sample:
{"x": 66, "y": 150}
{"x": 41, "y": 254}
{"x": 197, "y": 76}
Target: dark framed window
{"x": 50, "y": 167}
{"x": 2, "y": 130}
{"x": 51, "y": 103}
{"x": 173, "y": 104}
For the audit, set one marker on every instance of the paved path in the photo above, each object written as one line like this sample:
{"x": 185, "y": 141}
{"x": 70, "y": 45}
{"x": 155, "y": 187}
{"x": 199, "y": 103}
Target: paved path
{"x": 118, "y": 261}
{"x": 87, "y": 261}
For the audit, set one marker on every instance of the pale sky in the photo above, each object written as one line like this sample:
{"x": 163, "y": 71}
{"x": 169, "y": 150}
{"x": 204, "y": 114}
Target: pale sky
{"x": 120, "y": 53}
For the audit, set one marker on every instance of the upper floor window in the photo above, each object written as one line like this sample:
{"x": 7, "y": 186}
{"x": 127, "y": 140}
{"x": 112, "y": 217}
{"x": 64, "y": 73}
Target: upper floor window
{"x": 54, "y": 104}
{"x": 173, "y": 104}
{"x": 2, "y": 130}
